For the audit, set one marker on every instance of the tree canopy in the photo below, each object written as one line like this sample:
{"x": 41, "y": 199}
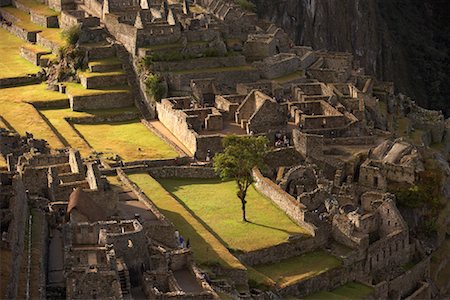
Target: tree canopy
{"x": 240, "y": 156}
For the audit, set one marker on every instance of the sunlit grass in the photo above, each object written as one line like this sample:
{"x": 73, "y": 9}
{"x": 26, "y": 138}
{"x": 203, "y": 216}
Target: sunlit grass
{"x": 11, "y": 63}
{"x": 215, "y": 202}
{"x": 349, "y": 291}
{"x": 296, "y": 269}
{"x": 131, "y": 140}
{"x": 207, "y": 249}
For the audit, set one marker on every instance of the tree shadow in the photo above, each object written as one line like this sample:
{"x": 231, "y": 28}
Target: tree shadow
{"x": 274, "y": 228}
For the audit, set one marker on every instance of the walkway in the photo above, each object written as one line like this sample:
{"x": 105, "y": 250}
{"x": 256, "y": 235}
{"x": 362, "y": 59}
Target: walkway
{"x": 186, "y": 280}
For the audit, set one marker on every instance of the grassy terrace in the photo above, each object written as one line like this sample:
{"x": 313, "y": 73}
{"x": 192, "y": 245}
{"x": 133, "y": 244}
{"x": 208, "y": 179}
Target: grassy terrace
{"x": 131, "y": 140}
{"x": 349, "y": 291}
{"x": 22, "y": 116}
{"x": 11, "y": 63}
{"x": 215, "y": 204}
{"x": 290, "y": 77}
{"x": 215, "y": 70}
{"x": 77, "y": 89}
{"x": 206, "y": 247}
{"x": 24, "y": 19}
{"x": 295, "y": 269}
{"x": 39, "y": 8}
{"x": 95, "y": 74}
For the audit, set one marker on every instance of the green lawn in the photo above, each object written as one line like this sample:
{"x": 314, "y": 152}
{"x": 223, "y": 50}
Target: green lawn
{"x": 23, "y": 117}
{"x": 215, "y": 203}
{"x": 349, "y": 291}
{"x": 131, "y": 140}
{"x": 77, "y": 89}
{"x": 295, "y": 269}
{"x": 11, "y": 63}
{"x": 56, "y": 117}
{"x": 207, "y": 249}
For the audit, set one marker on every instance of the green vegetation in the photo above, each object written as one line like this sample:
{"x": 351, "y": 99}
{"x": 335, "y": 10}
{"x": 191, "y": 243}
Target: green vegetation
{"x": 207, "y": 249}
{"x": 131, "y": 140}
{"x": 349, "y": 291}
{"x": 246, "y": 5}
{"x": 296, "y": 269}
{"x": 66, "y": 132}
{"x": 11, "y": 63}
{"x": 72, "y": 34}
{"x": 23, "y": 117}
{"x": 290, "y": 77}
{"x": 77, "y": 89}
{"x": 236, "y": 162}
{"x": 215, "y": 204}
{"x": 155, "y": 86}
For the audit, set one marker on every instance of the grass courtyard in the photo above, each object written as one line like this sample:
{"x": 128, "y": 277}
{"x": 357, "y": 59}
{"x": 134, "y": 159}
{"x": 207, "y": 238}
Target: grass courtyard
{"x": 349, "y": 291}
{"x": 214, "y": 203}
{"x": 11, "y": 63}
{"x": 206, "y": 247}
{"x": 295, "y": 269}
{"x": 22, "y": 116}
{"x": 131, "y": 140}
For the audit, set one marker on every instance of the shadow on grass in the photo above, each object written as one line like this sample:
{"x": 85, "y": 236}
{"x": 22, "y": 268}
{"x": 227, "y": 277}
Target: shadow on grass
{"x": 171, "y": 189}
{"x": 202, "y": 250}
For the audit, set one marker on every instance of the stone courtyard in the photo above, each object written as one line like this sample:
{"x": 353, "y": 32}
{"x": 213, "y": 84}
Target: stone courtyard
{"x": 111, "y": 113}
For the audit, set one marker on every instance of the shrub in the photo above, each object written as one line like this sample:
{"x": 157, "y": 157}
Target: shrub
{"x": 246, "y": 4}
{"x": 155, "y": 86}
{"x": 72, "y": 34}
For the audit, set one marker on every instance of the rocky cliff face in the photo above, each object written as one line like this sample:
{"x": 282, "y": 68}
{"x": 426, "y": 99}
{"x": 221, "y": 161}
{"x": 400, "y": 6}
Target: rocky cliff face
{"x": 405, "y": 41}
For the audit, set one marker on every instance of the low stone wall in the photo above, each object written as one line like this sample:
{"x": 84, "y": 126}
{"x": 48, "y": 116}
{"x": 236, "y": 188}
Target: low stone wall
{"x": 294, "y": 209}
{"x": 296, "y": 246}
{"x": 46, "y": 43}
{"x": 326, "y": 281}
{"x": 199, "y": 63}
{"x": 127, "y": 116}
{"x": 182, "y": 172}
{"x": 96, "y": 82}
{"x": 44, "y": 21}
{"x": 181, "y": 81}
{"x": 357, "y": 140}
{"x": 103, "y": 101}
{"x": 29, "y": 36}
{"x": 15, "y": 81}
{"x": 408, "y": 282}
{"x": 32, "y": 56}
{"x": 159, "y": 231}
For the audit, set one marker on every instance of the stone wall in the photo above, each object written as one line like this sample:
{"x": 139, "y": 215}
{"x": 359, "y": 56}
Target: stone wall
{"x": 175, "y": 121}
{"x": 199, "y": 63}
{"x": 182, "y": 172}
{"x": 101, "y": 101}
{"x": 297, "y": 245}
{"x": 17, "y": 232}
{"x": 124, "y": 33}
{"x": 294, "y": 209}
{"x": 164, "y": 228}
{"x": 44, "y": 21}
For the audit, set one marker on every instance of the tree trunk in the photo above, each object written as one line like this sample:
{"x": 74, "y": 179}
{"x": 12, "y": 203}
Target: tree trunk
{"x": 244, "y": 218}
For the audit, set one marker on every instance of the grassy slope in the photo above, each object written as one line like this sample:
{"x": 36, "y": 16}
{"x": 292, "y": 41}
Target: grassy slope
{"x": 215, "y": 203}
{"x": 349, "y": 291}
{"x": 11, "y": 63}
{"x": 125, "y": 139}
{"x": 71, "y": 137}
{"x": 22, "y": 116}
{"x": 295, "y": 269}
{"x": 206, "y": 248}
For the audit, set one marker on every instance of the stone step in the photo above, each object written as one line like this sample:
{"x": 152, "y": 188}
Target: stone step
{"x": 20, "y": 24}
{"x": 105, "y": 65}
{"x": 40, "y": 14}
{"x": 98, "y": 50}
{"x": 33, "y": 54}
{"x": 90, "y": 80}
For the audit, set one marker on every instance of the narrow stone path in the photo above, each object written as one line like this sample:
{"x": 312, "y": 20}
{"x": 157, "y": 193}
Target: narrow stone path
{"x": 187, "y": 281}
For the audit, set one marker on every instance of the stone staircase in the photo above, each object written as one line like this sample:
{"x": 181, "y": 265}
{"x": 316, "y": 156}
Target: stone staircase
{"x": 124, "y": 277}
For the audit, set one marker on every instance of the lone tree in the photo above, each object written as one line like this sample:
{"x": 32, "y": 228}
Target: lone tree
{"x": 240, "y": 156}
